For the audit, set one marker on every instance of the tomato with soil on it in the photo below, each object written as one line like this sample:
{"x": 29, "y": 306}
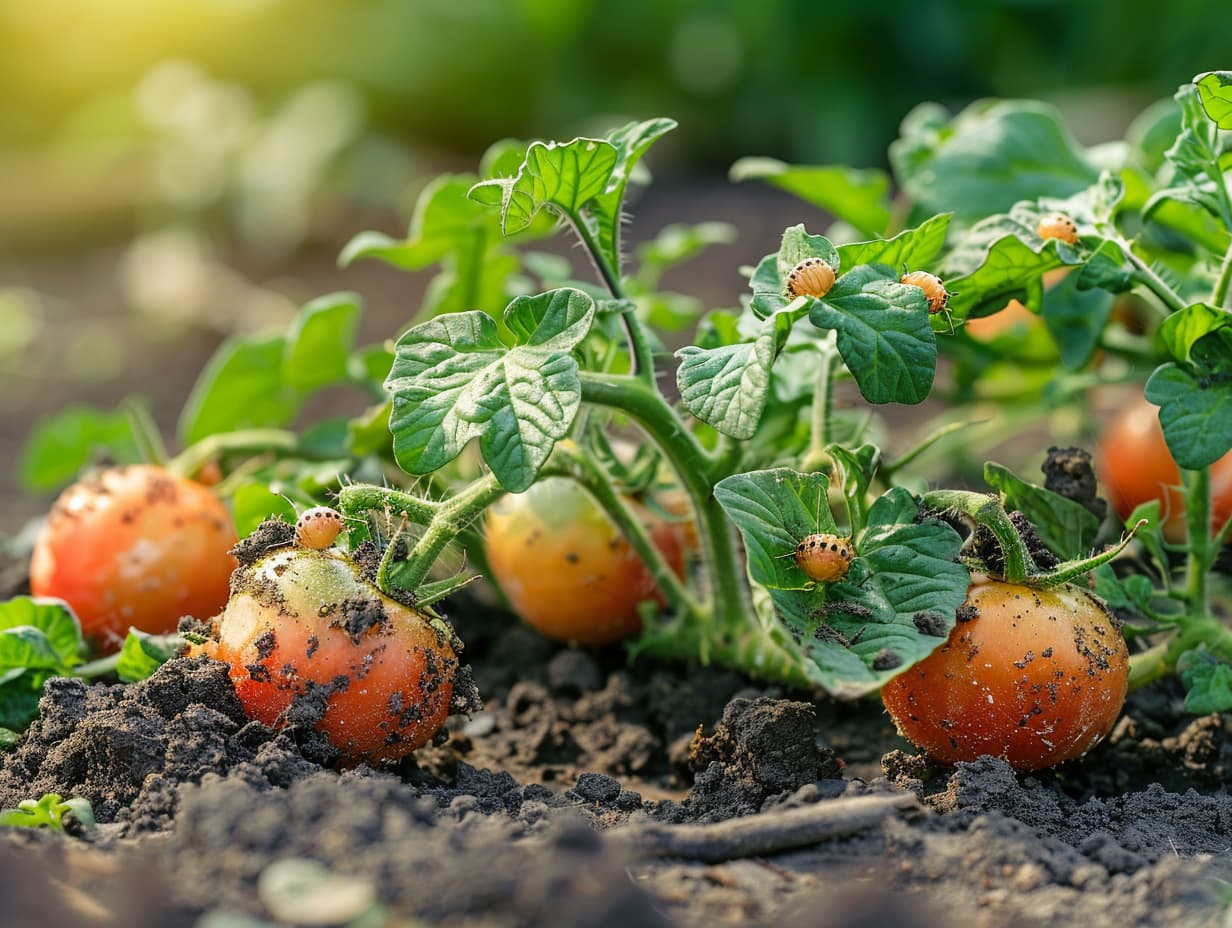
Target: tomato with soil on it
{"x": 310, "y": 641}
{"x": 135, "y": 546}
{"x": 1034, "y": 676}
{"x": 1135, "y": 467}
{"x": 566, "y": 568}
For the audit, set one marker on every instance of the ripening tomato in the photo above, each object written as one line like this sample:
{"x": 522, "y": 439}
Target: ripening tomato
{"x": 135, "y": 546}
{"x": 565, "y": 566}
{"x": 1136, "y": 467}
{"x": 1036, "y": 677}
{"x": 310, "y": 641}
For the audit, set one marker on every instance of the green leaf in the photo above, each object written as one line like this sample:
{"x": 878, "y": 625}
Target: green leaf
{"x": 320, "y": 341}
{"x": 860, "y": 198}
{"x": 1106, "y": 269}
{"x": 1194, "y": 399}
{"x": 915, "y": 249}
{"x": 1066, "y": 527}
{"x": 797, "y": 245}
{"x": 1207, "y": 679}
{"x": 1182, "y": 329}
{"x": 1076, "y": 318}
{"x": 989, "y": 157}
{"x": 143, "y": 654}
{"x": 8, "y": 738}
{"x": 774, "y": 510}
{"x": 1215, "y": 91}
{"x": 62, "y": 445}
{"x": 884, "y": 335}
{"x": 44, "y": 630}
{"x": 454, "y": 380}
{"x": 20, "y": 691}
{"x": 858, "y": 632}
{"x": 561, "y": 176}
{"x": 631, "y": 143}
{"x": 726, "y": 387}
{"x": 240, "y": 387}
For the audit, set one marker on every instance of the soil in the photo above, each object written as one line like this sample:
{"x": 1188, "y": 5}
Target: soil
{"x": 591, "y": 793}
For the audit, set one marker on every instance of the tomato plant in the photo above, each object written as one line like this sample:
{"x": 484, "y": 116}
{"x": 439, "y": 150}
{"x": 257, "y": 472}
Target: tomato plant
{"x": 1035, "y": 676}
{"x": 566, "y": 568}
{"x": 135, "y": 546}
{"x": 310, "y": 640}
{"x": 1136, "y": 467}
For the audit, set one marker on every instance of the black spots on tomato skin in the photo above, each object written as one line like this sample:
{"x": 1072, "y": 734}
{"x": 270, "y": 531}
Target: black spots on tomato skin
{"x": 1047, "y": 652}
{"x": 314, "y": 642}
{"x": 258, "y": 672}
{"x": 572, "y": 557}
{"x": 265, "y": 644}
{"x": 967, "y": 613}
{"x": 359, "y": 617}
{"x": 930, "y": 623}
{"x": 1026, "y": 659}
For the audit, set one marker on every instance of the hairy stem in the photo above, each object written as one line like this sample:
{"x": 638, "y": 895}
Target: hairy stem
{"x": 823, "y": 406}
{"x": 1221, "y": 296}
{"x": 988, "y": 511}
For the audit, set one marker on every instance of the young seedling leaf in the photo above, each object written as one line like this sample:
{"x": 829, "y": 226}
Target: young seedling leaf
{"x": 916, "y": 249}
{"x": 884, "y": 335}
{"x": 453, "y": 379}
{"x": 144, "y": 653}
{"x": 1066, "y": 527}
{"x": 989, "y": 157}
{"x": 1194, "y": 398}
{"x": 860, "y": 198}
{"x": 727, "y": 386}
{"x": 240, "y": 387}
{"x": 1215, "y": 91}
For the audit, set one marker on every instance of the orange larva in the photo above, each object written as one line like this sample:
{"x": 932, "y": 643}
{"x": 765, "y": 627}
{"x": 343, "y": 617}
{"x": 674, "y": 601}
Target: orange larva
{"x": 934, "y": 290}
{"x": 318, "y": 527}
{"x": 824, "y": 557}
{"x": 811, "y": 277}
{"x": 1058, "y": 226}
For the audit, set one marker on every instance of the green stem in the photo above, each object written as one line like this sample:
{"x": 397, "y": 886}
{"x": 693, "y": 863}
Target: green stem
{"x": 823, "y": 406}
{"x": 1221, "y": 296}
{"x": 1198, "y": 527}
{"x": 588, "y": 474}
{"x": 448, "y": 521}
{"x": 1153, "y": 281}
{"x": 988, "y": 511}
{"x": 358, "y": 499}
{"x": 635, "y": 331}
{"x": 145, "y": 431}
{"x": 698, "y": 473}
{"x": 257, "y": 441}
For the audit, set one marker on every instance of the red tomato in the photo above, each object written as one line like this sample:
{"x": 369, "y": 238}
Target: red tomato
{"x": 1136, "y": 467}
{"x": 310, "y": 641}
{"x": 565, "y": 567}
{"x": 1037, "y": 677}
{"x": 135, "y": 546}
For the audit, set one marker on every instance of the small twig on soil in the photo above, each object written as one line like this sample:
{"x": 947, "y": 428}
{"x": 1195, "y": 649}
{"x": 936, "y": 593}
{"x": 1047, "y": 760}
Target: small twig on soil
{"x": 767, "y": 833}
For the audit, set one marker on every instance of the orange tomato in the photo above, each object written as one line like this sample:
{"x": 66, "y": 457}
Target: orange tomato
{"x": 1037, "y": 678}
{"x": 310, "y": 641}
{"x": 566, "y": 568}
{"x": 1136, "y": 467}
{"x": 135, "y": 546}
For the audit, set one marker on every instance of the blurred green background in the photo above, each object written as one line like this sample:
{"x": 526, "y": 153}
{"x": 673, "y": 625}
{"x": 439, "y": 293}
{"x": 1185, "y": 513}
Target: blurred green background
{"x": 172, "y": 172}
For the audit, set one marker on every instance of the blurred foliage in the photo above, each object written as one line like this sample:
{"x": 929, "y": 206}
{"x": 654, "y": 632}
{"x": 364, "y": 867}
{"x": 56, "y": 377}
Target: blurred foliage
{"x": 806, "y": 81}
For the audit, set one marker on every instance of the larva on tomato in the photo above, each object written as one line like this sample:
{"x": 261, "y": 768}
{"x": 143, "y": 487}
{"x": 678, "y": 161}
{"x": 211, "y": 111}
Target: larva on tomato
{"x": 811, "y": 277}
{"x": 318, "y": 527}
{"x": 824, "y": 557}
{"x": 1058, "y": 226}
